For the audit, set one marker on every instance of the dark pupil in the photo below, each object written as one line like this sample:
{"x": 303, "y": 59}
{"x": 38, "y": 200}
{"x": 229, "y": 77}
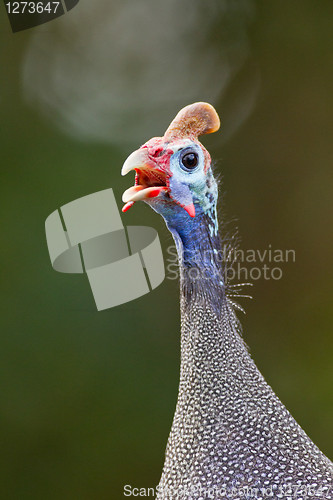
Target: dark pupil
{"x": 190, "y": 160}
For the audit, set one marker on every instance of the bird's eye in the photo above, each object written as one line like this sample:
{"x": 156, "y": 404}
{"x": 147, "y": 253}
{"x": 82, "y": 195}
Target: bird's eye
{"x": 190, "y": 161}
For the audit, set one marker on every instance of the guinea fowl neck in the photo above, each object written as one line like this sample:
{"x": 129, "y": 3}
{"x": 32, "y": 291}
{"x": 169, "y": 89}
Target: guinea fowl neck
{"x": 208, "y": 322}
{"x": 201, "y": 268}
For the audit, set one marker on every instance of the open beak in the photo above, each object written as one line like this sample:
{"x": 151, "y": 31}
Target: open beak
{"x": 150, "y": 181}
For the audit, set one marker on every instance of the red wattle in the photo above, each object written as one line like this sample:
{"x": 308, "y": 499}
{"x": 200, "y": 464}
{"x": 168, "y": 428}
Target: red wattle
{"x": 190, "y": 209}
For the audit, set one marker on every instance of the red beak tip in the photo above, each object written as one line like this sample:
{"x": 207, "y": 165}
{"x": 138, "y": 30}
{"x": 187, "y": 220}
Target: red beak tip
{"x": 127, "y": 206}
{"x": 154, "y": 192}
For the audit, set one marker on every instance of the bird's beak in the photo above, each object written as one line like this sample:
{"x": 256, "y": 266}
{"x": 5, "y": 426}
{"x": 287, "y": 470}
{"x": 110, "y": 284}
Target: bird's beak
{"x": 150, "y": 181}
{"x": 137, "y": 159}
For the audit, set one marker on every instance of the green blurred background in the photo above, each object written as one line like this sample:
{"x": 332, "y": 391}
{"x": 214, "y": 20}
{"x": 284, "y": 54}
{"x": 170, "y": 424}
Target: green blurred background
{"x": 87, "y": 397}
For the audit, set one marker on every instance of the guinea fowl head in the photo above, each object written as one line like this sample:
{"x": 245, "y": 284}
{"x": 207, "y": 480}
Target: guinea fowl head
{"x": 173, "y": 172}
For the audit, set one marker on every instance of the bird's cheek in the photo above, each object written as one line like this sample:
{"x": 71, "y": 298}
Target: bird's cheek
{"x": 180, "y": 193}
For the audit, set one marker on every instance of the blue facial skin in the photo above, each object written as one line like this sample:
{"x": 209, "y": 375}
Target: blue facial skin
{"x": 197, "y": 239}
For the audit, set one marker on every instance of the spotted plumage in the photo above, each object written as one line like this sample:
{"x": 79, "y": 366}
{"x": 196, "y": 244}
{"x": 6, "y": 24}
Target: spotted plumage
{"x": 231, "y": 437}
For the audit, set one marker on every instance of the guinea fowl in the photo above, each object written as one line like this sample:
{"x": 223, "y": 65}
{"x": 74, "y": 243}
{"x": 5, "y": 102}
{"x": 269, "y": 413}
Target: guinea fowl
{"x": 231, "y": 437}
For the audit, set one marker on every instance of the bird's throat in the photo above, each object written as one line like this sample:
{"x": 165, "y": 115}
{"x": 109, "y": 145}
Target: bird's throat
{"x": 201, "y": 261}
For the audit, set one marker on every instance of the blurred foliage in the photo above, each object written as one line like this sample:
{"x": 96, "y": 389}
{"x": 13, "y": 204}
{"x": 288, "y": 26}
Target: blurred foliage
{"x": 87, "y": 397}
